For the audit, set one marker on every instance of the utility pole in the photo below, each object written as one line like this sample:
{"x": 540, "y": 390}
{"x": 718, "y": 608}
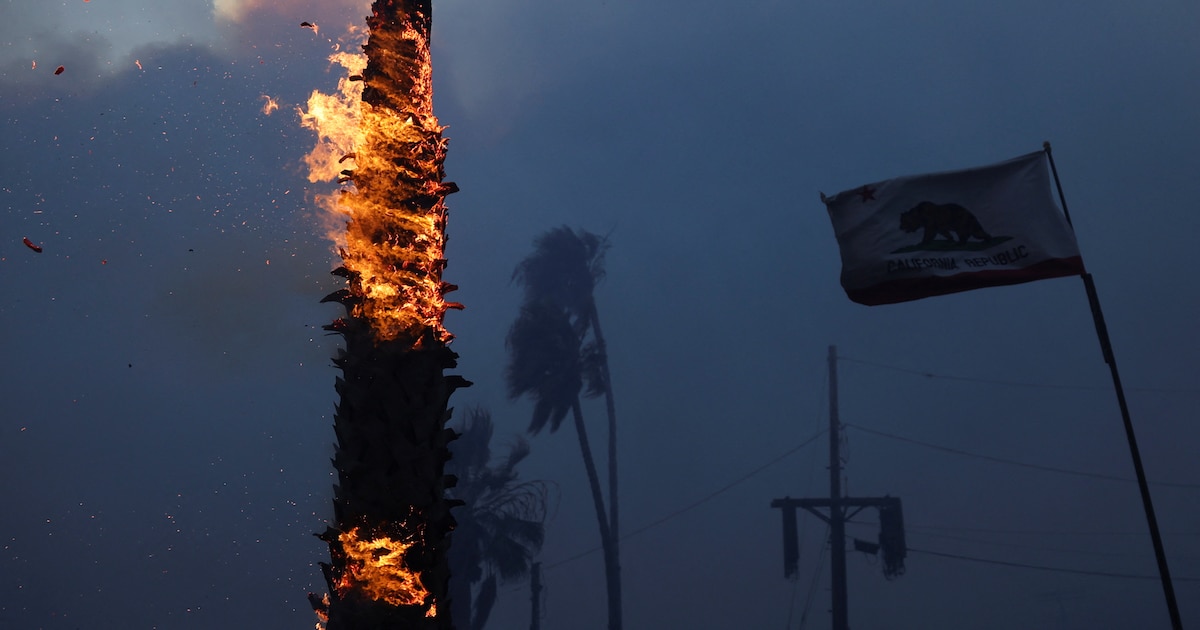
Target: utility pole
{"x": 891, "y": 535}
{"x": 837, "y": 515}
{"x": 535, "y": 596}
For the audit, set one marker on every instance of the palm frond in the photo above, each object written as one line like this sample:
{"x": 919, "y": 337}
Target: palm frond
{"x": 510, "y": 558}
{"x": 501, "y": 526}
{"x": 519, "y": 450}
{"x": 564, "y": 268}
{"x": 544, "y": 363}
{"x": 472, "y": 450}
{"x": 529, "y": 500}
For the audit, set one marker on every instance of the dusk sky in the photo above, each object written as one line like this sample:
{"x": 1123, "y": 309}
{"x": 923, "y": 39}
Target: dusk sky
{"x": 167, "y": 390}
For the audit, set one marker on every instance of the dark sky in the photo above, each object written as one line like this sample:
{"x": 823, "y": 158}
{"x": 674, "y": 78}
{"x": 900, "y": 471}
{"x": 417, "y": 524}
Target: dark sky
{"x": 166, "y": 387}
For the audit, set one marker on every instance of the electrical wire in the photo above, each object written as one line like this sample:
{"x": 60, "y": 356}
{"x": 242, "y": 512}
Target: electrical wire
{"x": 1064, "y": 471}
{"x": 951, "y": 377}
{"x": 994, "y": 543}
{"x": 1043, "y": 532}
{"x": 1020, "y": 565}
{"x": 693, "y": 505}
{"x": 792, "y": 603}
{"x": 812, "y": 585}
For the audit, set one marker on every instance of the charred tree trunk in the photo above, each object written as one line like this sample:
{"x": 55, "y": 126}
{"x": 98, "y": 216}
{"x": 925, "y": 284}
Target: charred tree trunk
{"x": 389, "y": 538}
{"x": 391, "y": 450}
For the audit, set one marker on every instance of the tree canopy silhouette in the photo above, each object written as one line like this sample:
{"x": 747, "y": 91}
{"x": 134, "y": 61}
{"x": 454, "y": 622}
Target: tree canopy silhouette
{"x": 556, "y": 346}
{"x": 501, "y": 524}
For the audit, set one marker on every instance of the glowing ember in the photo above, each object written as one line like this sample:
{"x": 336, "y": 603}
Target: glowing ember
{"x": 321, "y": 607}
{"x": 376, "y": 567}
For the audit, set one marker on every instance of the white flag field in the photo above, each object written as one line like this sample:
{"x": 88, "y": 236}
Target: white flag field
{"x": 915, "y": 237}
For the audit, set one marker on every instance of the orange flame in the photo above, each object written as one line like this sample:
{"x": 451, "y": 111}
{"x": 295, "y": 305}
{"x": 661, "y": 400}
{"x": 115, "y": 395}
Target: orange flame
{"x": 269, "y": 104}
{"x": 322, "y": 612}
{"x": 376, "y": 567}
{"x": 389, "y": 163}
{"x": 335, "y": 117}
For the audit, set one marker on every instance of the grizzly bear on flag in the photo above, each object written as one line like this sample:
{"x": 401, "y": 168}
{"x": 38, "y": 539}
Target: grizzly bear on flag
{"x": 945, "y": 219}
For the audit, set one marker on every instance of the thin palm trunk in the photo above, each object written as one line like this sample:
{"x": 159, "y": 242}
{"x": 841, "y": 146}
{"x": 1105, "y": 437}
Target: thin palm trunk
{"x": 614, "y": 526}
{"x": 607, "y": 542}
{"x": 462, "y": 561}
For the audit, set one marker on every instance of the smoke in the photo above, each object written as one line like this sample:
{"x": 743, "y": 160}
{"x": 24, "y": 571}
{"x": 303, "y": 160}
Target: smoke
{"x": 237, "y": 11}
{"x": 92, "y": 40}
{"x": 232, "y": 10}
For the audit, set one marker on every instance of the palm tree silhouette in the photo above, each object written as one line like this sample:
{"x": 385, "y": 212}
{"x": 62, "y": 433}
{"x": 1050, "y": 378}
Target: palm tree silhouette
{"x": 557, "y": 346}
{"x": 500, "y": 526}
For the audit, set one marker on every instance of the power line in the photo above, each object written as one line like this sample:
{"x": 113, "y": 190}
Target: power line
{"x": 695, "y": 504}
{"x": 792, "y": 603}
{"x": 1039, "y": 531}
{"x": 994, "y": 543}
{"x": 929, "y": 531}
{"x": 1045, "y": 568}
{"x": 969, "y": 379}
{"x": 813, "y": 584}
{"x": 1000, "y": 460}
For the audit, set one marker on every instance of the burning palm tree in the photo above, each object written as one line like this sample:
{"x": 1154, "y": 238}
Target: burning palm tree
{"x": 388, "y": 542}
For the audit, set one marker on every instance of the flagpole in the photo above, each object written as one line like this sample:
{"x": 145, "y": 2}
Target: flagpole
{"x": 1106, "y": 348}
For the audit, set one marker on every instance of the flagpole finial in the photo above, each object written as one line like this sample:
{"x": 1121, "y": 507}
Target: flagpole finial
{"x": 1046, "y": 146}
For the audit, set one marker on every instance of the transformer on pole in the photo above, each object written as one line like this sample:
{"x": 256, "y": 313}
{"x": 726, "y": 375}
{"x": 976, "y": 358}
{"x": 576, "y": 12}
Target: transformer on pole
{"x": 838, "y": 507}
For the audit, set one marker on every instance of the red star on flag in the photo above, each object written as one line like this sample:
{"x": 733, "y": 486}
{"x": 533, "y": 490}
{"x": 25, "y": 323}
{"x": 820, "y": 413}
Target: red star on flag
{"x": 866, "y": 192}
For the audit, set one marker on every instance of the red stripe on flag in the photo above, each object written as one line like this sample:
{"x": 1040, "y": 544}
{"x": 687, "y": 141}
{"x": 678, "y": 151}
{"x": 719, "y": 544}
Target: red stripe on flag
{"x": 909, "y": 289}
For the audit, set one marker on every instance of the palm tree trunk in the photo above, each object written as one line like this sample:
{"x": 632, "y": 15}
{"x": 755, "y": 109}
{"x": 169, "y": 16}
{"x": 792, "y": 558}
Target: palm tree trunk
{"x": 390, "y": 453}
{"x": 614, "y": 526}
{"x": 388, "y": 541}
{"x": 611, "y": 408}
{"x": 459, "y": 590}
{"x": 611, "y": 565}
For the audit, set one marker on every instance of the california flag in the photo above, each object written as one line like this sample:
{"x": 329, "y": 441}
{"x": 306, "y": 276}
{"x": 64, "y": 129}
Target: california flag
{"x": 914, "y": 237}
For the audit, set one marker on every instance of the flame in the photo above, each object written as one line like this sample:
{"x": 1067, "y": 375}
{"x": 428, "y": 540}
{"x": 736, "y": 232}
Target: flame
{"x": 376, "y": 567}
{"x": 378, "y": 138}
{"x": 389, "y": 162}
{"x": 269, "y": 104}
{"x": 336, "y": 119}
{"x": 322, "y": 613}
